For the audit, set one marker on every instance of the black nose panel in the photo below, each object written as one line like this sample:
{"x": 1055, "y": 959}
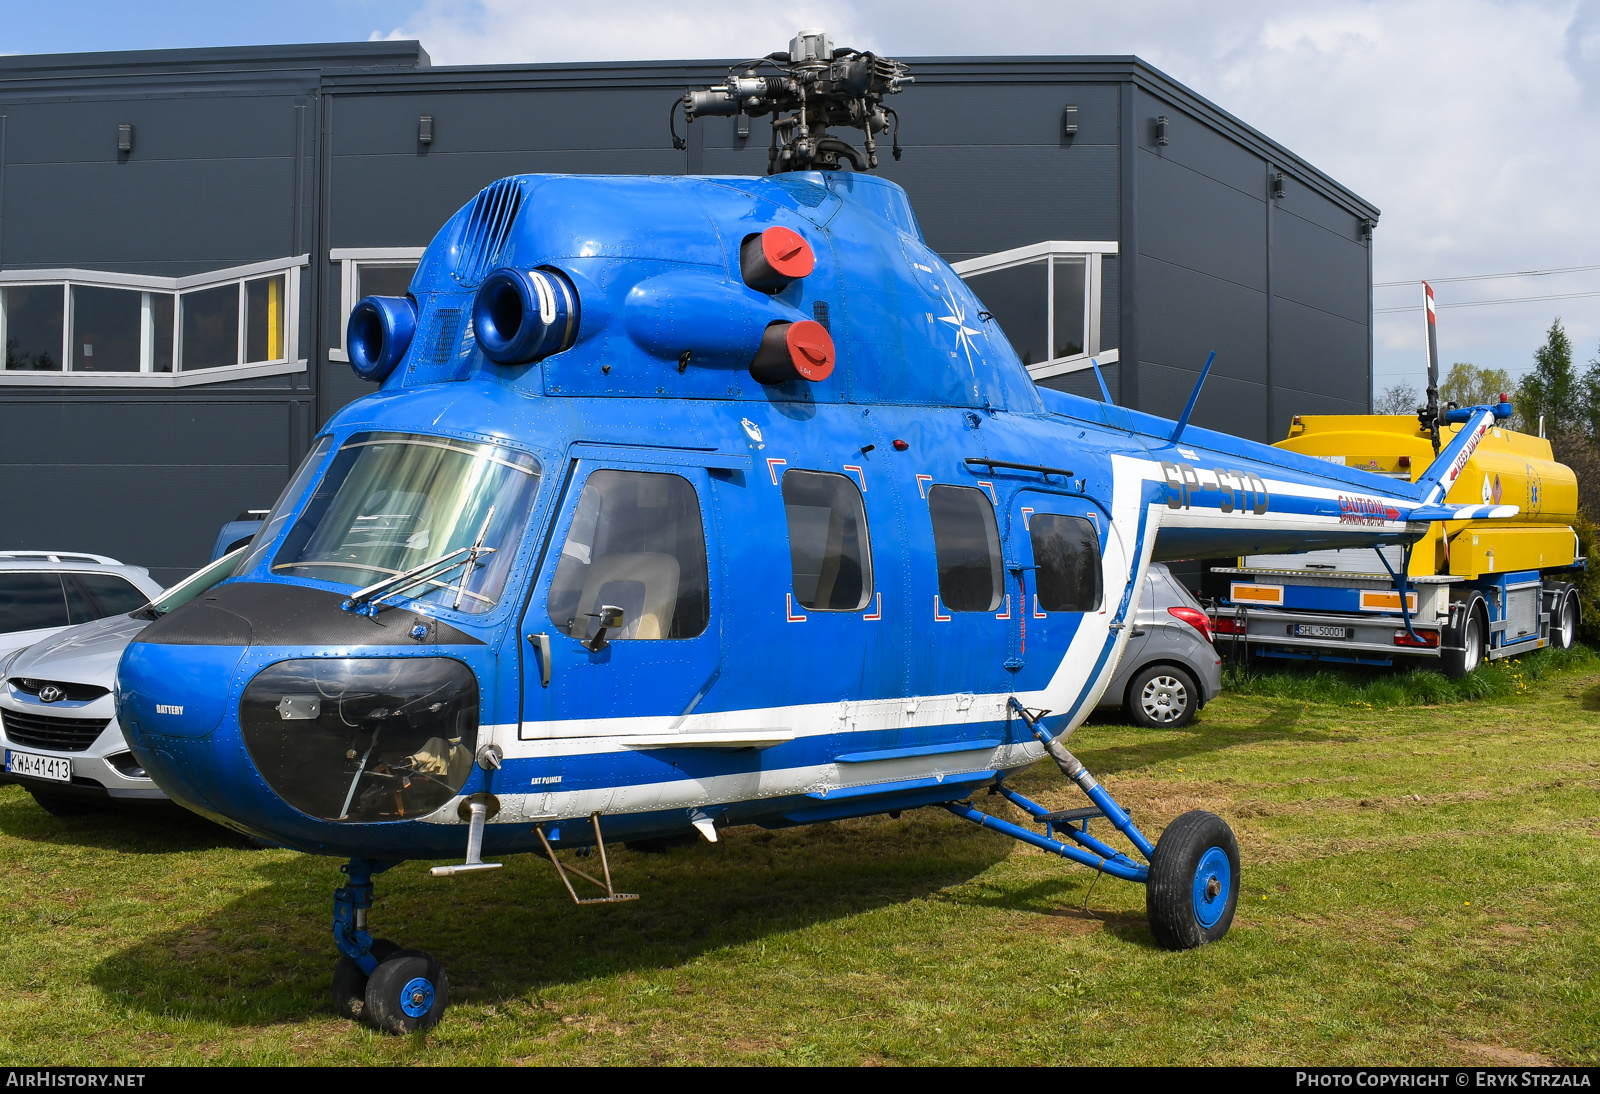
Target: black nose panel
{"x": 258, "y": 613}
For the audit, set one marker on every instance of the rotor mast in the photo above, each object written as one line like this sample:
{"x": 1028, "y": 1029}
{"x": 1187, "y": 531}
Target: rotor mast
{"x": 817, "y": 86}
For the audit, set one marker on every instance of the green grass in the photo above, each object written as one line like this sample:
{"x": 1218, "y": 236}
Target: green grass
{"x": 1411, "y": 687}
{"x": 1420, "y": 885}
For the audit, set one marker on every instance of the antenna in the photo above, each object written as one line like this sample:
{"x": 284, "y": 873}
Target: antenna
{"x": 1193, "y": 397}
{"x": 1429, "y": 415}
{"x": 1100, "y": 376}
{"x": 819, "y": 86}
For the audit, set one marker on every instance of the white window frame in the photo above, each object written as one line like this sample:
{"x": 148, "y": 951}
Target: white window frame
{"x": 1092, "y": 253}
{"x": 349, "y": 258}
{"x": 177, "y": 287}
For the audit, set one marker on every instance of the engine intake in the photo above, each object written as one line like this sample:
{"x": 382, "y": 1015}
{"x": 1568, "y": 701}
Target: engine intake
{"x": 525, "y": 315}
{"x": 378, "y": 333}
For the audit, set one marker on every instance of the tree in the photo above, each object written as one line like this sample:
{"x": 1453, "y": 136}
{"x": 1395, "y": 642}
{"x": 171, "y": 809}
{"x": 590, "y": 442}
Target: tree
{"x": 1401, "y": 398}
{"x": 1589, "y": 397}
{"x": 1469, "y": 385}
{"x": 1552, "y": 391}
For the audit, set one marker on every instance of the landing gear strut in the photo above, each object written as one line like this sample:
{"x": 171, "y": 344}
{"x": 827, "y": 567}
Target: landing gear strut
{"x": 1192, "y": 880}
{"x": 375, "y": 981}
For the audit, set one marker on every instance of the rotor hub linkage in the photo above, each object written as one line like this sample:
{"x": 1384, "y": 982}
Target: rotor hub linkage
{"x": 815, "y": 86}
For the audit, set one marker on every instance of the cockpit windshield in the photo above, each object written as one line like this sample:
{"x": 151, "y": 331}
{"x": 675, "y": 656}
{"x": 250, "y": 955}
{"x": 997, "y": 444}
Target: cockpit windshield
{"x": 391, "y": 502}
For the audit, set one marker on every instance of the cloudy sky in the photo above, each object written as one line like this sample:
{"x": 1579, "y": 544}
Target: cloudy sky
{"x": 1473, "y": 124}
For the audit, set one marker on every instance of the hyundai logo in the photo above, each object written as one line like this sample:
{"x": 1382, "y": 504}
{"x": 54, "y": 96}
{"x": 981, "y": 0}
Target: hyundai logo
{"x": 51, "y": 694}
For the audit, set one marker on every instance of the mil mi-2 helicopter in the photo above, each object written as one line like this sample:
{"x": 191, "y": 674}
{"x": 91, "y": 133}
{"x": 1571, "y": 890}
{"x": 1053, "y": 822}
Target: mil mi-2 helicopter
{"x": 689, "y": 502}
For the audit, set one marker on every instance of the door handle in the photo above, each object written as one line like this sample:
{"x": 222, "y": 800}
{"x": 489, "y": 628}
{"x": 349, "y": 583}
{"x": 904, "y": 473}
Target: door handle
{"x": 541, "y": 642}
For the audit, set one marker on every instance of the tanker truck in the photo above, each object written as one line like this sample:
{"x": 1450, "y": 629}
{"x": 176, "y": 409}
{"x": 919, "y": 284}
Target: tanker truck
{"x": 1469, "y": 591}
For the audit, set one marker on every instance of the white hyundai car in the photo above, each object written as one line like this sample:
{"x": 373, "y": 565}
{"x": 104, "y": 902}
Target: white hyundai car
{"x": 58, "y": 723}
{"x": 42, "y": 592}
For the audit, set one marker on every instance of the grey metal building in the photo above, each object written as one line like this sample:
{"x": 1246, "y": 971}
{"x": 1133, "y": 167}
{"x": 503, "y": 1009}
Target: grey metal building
{"x": 183, "y": 232}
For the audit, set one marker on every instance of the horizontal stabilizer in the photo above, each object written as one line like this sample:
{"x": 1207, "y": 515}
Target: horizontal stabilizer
{"x": 1463, "y": 512}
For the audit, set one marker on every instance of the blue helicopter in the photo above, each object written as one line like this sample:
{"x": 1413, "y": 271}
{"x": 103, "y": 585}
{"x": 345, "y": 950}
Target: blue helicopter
{"x": 688, "y": 502}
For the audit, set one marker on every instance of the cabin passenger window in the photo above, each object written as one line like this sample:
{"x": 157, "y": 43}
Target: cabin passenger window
{"x": 828, "y": 547}
{"x": 636, "y": 543}
{"x": 967, "y": 544}
{"x": 1066, "y": 552}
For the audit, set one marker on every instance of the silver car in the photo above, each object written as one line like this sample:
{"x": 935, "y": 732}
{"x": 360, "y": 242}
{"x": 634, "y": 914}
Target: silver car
{"x": 45, "y": 592}
{"x": 1169, "y": 668}
{"x": 58, "y": 725}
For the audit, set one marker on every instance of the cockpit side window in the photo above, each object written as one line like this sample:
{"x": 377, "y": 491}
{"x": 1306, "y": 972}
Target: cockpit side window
{"x": 966, "y": 541}
{"x": 283, "y": 509}
{"x": 1066, "y": 552}
{"x": 828, "y": 547}
{"x": 638, "y": 543}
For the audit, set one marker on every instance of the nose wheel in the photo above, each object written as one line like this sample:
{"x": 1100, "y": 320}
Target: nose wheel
{"x": 376, "y": 982}
{"x": 408, "y": 991}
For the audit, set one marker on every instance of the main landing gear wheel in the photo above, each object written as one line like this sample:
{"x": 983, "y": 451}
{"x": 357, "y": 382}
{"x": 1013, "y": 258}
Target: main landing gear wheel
{"x": 1194, "y": 882}
{"x": 350, "y": 983}
{"x": 1162, "y": 697}
{"x": 406, "y": 993}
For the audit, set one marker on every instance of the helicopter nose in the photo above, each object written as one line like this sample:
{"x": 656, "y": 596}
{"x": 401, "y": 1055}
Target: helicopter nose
{"x": 174, "y": 691}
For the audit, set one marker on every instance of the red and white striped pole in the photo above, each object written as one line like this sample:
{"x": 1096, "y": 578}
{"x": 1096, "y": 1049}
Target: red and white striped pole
{"x": 1431, "y": 415}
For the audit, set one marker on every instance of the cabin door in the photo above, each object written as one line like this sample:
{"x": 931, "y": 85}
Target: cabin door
{"x": 621, "y": 635}
{"x": 1060, "y": 543}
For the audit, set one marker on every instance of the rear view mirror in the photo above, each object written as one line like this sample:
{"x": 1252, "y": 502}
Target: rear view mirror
{"x": 609, "y": 617}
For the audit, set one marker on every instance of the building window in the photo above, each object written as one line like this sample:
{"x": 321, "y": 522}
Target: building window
{"x": 966, "y": 543}
{"x": 1046, "y": 297}
{"x": 89, "y": 327}
{"x": 828, "y": 548}
{"x": 369, "y": 271}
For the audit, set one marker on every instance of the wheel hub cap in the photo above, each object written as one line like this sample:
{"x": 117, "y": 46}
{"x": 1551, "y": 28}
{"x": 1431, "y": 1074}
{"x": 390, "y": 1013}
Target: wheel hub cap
{"x": 1164, "y": 699}
{"x": 1213, "y": 879}
{"x": 416, "y": 998}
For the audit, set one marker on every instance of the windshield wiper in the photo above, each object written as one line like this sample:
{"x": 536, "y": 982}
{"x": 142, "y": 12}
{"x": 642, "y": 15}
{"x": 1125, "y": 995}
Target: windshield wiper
{"x": 472, "y": 559}
{"x": 363, "y": 599}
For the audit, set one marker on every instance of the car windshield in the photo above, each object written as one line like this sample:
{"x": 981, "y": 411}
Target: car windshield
{"x": 392, "y": 502}
{"x": 192, "y": 586}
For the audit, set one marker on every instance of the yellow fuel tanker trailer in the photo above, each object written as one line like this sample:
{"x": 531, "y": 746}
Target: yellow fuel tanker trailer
{"x": 1474, "y": 590}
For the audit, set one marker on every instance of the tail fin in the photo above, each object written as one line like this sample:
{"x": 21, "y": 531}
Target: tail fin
{"x": 1442, "y": 473}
